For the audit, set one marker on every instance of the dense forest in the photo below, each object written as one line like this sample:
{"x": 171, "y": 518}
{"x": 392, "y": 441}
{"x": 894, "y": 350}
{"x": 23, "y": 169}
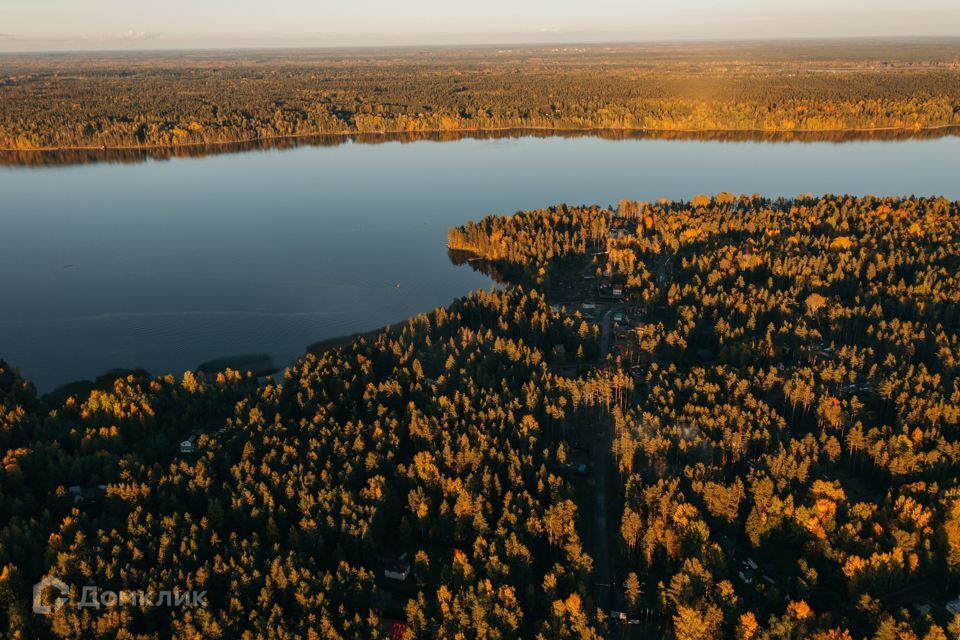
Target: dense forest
{"x": 439, "y": 440}
{"x": 788, "y": 454}
{"x": 774, "y": 383}
{"x": 209, "y": 98}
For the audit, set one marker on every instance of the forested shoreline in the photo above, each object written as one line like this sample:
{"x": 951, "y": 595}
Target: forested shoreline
{"x": 434, "y": 440}
{"x": 219, "y": 98}
{"x": 781, "y": 388}
{"x": 72, "y": 156}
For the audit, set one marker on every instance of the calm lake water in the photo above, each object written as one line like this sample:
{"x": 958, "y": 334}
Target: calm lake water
{"x": 166, "y": 264}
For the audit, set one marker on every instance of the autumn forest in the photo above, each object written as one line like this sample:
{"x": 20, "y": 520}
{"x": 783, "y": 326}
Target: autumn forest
{"x": 713, "y": 417}
{"x": 775, "y": 389}
{"x": 99, "y": 101}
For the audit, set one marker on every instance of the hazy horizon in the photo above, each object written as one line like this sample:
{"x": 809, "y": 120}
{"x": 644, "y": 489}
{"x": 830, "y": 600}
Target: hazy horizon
{"x": 99, "y": 25}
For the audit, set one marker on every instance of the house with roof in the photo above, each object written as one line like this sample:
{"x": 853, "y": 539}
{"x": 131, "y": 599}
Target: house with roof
{"x": 189, "y": 445}
{"x": 397, "y": 569}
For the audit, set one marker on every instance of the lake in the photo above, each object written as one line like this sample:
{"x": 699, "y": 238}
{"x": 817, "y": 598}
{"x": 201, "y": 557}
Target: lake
{"x": 166, "y": 264}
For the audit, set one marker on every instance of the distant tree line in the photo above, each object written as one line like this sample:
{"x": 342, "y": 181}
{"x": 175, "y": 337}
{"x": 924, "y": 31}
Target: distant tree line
{"x": 159, "y": 100}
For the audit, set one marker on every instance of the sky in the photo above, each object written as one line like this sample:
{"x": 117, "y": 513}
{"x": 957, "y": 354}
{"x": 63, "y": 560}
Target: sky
{"x": 58, "y": 25}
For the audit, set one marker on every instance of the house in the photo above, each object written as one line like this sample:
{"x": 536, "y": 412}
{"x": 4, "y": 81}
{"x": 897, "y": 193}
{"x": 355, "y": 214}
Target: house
{"x": 393, "y": 628}
{"x": 617, "y": 291}
{"x": 80, "y": 494}
{"x": 954, "y": 606}
{"x": 398, "y": 569}
{"x": 189, "y": 445}
{"x": 397, "y": 631}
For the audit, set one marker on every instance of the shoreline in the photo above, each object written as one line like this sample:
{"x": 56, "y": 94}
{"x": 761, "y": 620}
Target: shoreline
{"x": 387, "y": 134}
{"x": 266, "y": 365}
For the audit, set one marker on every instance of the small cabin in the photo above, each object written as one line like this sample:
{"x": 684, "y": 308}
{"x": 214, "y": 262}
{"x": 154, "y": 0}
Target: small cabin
{"x": 398, "y": 631}
{"x": 954, "y": 606}
{"x": 80, "y": 494}
{"x": 189, "y": 445}
{"x": 398, "y": 569}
